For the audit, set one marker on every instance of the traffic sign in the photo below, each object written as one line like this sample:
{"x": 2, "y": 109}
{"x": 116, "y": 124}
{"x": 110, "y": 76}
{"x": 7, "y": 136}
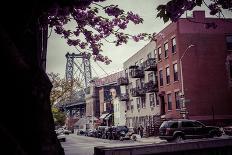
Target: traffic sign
{"x": 183, "y": 112}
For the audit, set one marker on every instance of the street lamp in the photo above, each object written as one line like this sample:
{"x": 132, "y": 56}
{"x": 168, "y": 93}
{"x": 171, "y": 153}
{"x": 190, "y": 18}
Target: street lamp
{"x": 182, "y": 81}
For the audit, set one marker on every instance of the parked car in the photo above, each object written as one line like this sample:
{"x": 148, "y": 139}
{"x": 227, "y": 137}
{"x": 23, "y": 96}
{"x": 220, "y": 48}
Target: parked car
{"x": 61, "y": 136}
{"x": 228, "y": 130}
{"x": 90, "y": 133}
{"x": 177, "y": 130}
{"x": 119, "y": 132}
{"x": 129, "y": 134}
{"x": 101, "y": 131}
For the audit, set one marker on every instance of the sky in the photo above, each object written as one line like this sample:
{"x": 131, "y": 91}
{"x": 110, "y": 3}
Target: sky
{"x": 57, "y": 46}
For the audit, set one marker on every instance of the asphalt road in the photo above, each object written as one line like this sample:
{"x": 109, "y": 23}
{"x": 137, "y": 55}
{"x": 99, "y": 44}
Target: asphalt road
{"x": 82, "y": 145}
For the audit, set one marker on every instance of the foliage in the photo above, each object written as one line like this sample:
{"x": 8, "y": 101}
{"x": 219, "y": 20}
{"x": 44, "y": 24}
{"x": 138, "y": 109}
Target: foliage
{"x": 175, "y": 8}
{"x": 58, "y": 116}
{"x": 61, "y": 90}
{"x": 93, "y": 27}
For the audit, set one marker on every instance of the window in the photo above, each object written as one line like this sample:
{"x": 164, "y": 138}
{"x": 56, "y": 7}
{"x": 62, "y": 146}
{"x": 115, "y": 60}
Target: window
{"x": 175, "y": 72}
{"x": 157, "y": 99}
{"x": 151, "y": 99}
{"x": 159, "y": 54}
{"x": 142, "y": 83}
{"x": 150, "y": 76}
{"x": 166, "y": 50}
{"x": 126, "y": 73}
{"x": 187, "y": 124}
{"x": 130, "y": 87}
{"x": 173, "y": 45}
{"x": 148, "y": 55}
{"x": 132, "y": 108}
{"x": 173, "y": 125}
{"x": 198, "y": 124}
{"x": 230, "y": 66}
{"x": 143, "y": 100}
{"x": 155, "y": 54}
{"x": 161, "y": 78}
{"x": 141, "y": 62}
{"x": 138, "y": 84}
{"x": 168, "y": 75}
{"x": 177, "y": 98}
{"x": 128, "y": 105}
{"x": 138, "y": 103}
{"x": 169, "y": 97}
{"x": 229, "y": 42}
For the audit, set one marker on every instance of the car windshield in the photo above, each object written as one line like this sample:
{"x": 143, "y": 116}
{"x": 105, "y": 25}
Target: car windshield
{"x": 167, "y": 124}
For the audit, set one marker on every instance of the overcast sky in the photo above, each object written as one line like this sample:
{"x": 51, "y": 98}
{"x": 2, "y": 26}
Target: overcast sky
{"x": 57, "y": 47}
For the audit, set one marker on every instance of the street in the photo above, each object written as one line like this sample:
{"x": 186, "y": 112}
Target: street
{"x": 82, "y": 145}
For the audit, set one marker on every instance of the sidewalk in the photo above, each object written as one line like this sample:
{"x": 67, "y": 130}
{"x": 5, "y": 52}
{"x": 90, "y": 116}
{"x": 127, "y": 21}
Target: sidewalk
{"x": 150, "y": 140}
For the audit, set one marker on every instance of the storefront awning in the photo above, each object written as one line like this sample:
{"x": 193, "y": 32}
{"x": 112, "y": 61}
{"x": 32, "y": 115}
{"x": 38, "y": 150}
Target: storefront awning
{"x": 103, "y": 115}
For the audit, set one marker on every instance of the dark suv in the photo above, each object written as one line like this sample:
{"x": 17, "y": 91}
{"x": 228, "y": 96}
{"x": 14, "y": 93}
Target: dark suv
{"x": 178, "y": 130}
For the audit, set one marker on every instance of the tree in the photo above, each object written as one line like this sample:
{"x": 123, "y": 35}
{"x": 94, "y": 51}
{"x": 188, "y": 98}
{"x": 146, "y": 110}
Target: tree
{"x": 174, "y": 9}
{"x": 62, "y": 90}
{"x": 58, "y": 116}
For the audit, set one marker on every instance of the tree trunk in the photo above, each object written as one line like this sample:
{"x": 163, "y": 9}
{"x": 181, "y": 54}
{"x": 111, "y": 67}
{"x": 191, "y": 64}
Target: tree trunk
{"x": 26, "y": 123}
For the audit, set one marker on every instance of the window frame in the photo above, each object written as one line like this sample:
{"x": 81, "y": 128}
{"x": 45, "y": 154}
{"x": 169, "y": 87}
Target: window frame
{"x": 161, "y": 79}
{"x": 159, "y": 53}
{"x": 152, "y": 100}
{"x": 167, "y": 69}
{"x": 169, "y": 101}
{"x": 177, "y": 100}
{"x": 166, "y": 49}
{"x": 174, "y": 45}
{"x": 175, "y": 72}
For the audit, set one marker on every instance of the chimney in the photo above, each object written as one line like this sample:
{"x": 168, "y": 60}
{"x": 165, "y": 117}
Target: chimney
{"x": 199, "y": 15}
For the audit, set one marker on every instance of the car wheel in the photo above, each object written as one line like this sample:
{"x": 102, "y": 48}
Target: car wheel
{"x": 212, "y": 134}
{"x": 178, "y": 138}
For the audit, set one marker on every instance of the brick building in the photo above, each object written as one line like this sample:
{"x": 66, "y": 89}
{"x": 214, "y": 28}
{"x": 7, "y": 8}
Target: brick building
{"x": 206, "y": 56}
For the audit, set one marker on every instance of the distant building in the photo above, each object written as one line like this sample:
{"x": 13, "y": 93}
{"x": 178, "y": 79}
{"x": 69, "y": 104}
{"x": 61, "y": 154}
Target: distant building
{"x": 99, "y": 100}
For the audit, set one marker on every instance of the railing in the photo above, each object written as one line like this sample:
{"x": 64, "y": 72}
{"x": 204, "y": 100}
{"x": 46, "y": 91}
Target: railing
{"x": 150, "y": 65}
{"x": 136, "y": 72}
{"x": 151, "y": 86}
{"x": 136, "y": 92}
{"x": 123, "y": 81}
{"x": 124, "y": 97}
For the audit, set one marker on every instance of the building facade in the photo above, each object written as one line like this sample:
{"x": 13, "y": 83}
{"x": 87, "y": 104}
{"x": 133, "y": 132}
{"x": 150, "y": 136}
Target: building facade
{"x": 194, "y": 69}
{"x": 140, "y": 89}
{"x": 186, "y": 72}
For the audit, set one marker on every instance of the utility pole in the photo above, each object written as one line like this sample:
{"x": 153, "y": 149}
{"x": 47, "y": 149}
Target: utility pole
{"x": 182, "y": 95}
